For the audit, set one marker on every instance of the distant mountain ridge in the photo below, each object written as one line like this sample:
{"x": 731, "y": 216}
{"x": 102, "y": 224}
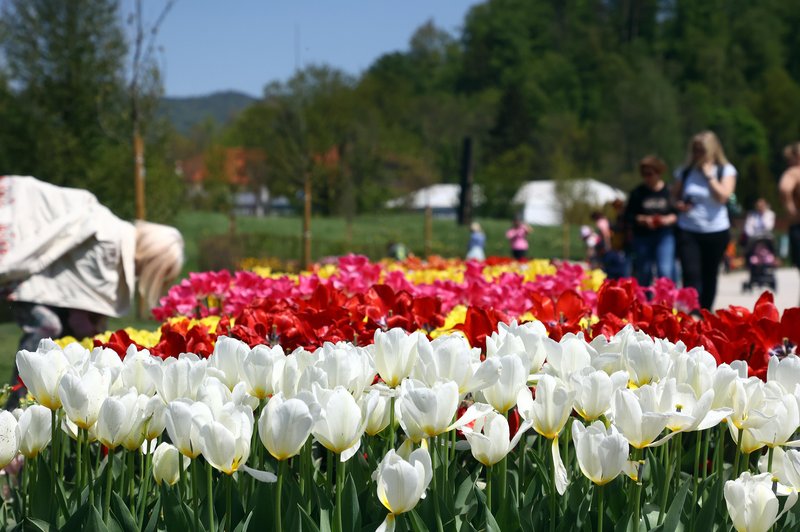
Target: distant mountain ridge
{"x": 222, "y": 107}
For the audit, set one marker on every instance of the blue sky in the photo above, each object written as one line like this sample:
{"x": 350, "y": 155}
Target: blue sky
{"x": 212, "y": 45}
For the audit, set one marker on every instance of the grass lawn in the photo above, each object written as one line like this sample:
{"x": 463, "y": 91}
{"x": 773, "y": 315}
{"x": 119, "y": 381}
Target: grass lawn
{"x": 209, "y": 235}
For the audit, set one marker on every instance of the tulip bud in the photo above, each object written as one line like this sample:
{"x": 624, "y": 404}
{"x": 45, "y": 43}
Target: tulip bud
{"x": 34, "y": 430}
{"x": 9, "y": 443}
{"x": 284, "y": 426}
{"x": 165, "y": 464}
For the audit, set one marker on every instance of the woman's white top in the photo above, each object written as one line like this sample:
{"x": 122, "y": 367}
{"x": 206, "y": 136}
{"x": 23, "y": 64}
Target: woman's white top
{"x": 706, "y": 214}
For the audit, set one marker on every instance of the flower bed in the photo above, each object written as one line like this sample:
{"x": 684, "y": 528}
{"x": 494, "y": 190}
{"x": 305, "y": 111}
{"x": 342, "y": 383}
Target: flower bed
{"x": 521, "y": 435}
{"x": 328, "y": 402}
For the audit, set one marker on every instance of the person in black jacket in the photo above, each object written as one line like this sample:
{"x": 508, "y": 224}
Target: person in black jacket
{"x": 651, "y": 216}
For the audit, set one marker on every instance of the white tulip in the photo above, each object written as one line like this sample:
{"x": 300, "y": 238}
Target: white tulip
{"x": 548, "y": 414}
{"x": 341, "y": 422}
{"x": 345, "y": 365}
{"x": 134, "y": 371}
{"x": 83, "y": 395}
{"x": 395, "y": 353}
{"x": 502, "y": 395}
{"x": 184, "y": 418}
{"x": 259, "y": 369}
{"x": 228, "y": 356}
{"x": 695, "y": 368}
{"x": 690, "y": 412}
{"x": 490, "y": 439}
{"x": 122, "y": 421}
{"x": 450, "y": 358}
{"x": 637, "y": 416}
{"x": 166, "y": 460}
{"x": 287, "y": 381}
{"x": 426, "y": 412}
{"x": 752, "y": 505}
{"x": 284, "y": 426}
{"x": 785, "y": 372}
{"x": 379, "y": 419}
{"x": 602, "y": 452}
{"x": 593, "y": 391}
{"x": 41, "y": 371}
{"x": 402, "y": 483}
{"x": 9, "y": 441}
{"x": 177, "y": 378}
{"x": 549, "y": 411}
{"x": 155, "y": 414}
{"x": 225, "y": 441}
{"x": 528, "y": 340}
{"x": 643, "y": 359}
{"x": 782, "y": 413}
{"x": 107, "y": 361}
{"x": 34, "y": 430}
{"x": 572, "y": 355}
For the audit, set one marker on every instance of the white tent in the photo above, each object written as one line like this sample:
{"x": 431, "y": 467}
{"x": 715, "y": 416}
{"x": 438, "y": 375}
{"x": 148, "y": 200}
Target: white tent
{"x": 442, "y": 198}
{"x": 542, "y": 206}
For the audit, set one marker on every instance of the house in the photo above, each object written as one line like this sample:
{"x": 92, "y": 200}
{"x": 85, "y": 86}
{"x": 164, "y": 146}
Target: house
{"x": 542, "y": 204}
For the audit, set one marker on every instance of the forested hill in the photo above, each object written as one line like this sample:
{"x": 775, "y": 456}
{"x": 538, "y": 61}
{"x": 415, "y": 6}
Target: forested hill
{"x": 221, "y": 107}
{"x": 551, "y": 89}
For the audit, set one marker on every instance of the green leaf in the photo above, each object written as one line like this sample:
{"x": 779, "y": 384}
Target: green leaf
{"x": 351, "y": 513}
{"x": 75, "y": 520}
{"x": 491, "y": 523}
{"x": 122, "y": 514}
{"x": 154, "y": 516}
{"x": 673, "y": 517}
{"x": 709, "y": 510}
{"x": 34, "y": 524}
{"x": 308, "y": 522}
{"x": 417, "y": 525}
{"x": 94, "y": 523}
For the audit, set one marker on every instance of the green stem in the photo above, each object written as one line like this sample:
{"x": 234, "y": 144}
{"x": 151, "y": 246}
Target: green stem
{"x": 144, "y": 490}
{"x": 522, "y": 459}
{"x": 488, "y": 491}
{"x": 435, "y": 492}
{"x": 210, "y": 490}
{"x": 391, "y": 422}
{"x": 279, "y": 488}
{"x": 553, "y": 506}
{"x": 308, "y": 465}
{"x": 109, "y": 481}
{"x": 131, "y": 475}
{"x": 706, "y": 435}
{"x": 79, "y": 464}
{"x": 697, "y": 447}
{"x": 736, "y": 460}
{"x": 600, "y": 508}
{"x": 665, "y": 488}
{"x": 54, "y": 464}
{"x": 228, "y": 516}
{"x": 340, "y": 471}
{"x": 637, "y": 508}
{"x": 195, "y": 494}
{"x": 89, "y": 471}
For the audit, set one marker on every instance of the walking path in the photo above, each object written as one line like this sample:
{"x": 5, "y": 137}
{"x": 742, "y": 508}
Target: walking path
{"x": 729, "y": 290}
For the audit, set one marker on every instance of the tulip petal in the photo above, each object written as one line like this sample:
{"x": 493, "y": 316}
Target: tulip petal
{"x": 387, "y": 525}
{"x": 560, "y": 471}
{"x": 261, "y": 476}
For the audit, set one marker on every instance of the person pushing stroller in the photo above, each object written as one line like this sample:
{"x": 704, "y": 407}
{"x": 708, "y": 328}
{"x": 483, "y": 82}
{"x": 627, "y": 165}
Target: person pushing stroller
{"x": 759, "y": 247}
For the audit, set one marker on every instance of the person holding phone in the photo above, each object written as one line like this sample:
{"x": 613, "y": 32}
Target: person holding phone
{"x": 701, "y": 192}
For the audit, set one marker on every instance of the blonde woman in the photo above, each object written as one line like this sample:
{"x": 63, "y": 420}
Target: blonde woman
{"x": 67, "y": 263}
{"x": 701, "y": 192}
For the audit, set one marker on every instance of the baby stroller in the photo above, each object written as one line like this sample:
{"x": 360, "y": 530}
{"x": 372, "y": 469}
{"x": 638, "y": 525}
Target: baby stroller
{"x": 761, "y": 262}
